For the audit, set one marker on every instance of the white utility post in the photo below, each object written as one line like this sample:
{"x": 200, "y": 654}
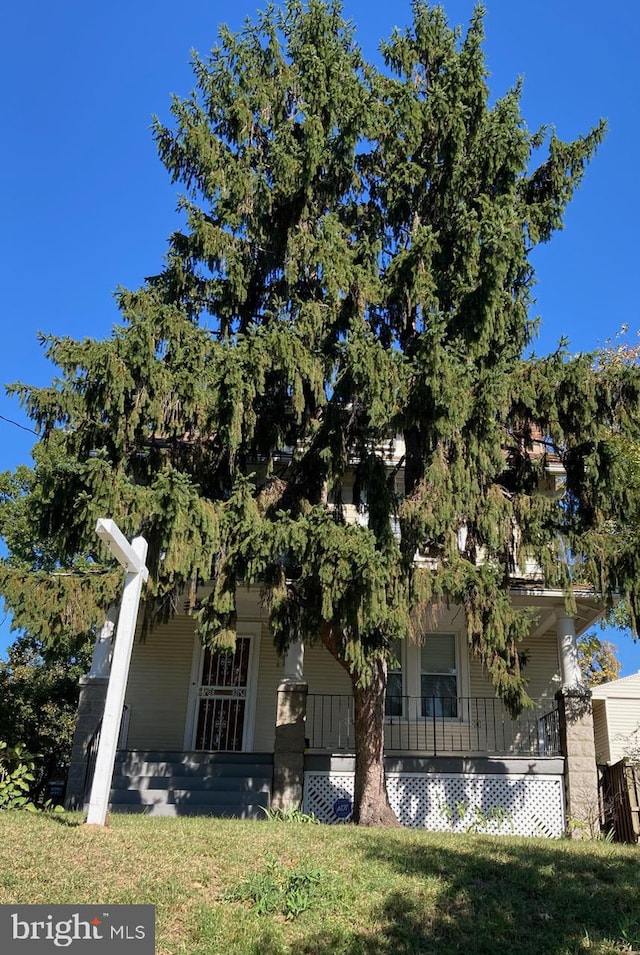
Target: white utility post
{"x": 132, "y": 556}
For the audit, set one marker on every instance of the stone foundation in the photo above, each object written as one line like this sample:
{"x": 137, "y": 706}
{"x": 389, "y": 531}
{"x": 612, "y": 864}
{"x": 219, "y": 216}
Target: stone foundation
{"x": 93, "y": 692}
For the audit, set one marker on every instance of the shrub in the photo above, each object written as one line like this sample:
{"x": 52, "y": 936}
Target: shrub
{"x": 38, "y": 698}
{"x": 16, "y": 777}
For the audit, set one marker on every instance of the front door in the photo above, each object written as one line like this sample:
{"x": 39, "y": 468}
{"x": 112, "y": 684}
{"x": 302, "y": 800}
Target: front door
{"x": 222, "y": 698}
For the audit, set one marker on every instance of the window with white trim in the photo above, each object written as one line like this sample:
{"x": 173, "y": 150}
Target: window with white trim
{"x": 439, "y": 675}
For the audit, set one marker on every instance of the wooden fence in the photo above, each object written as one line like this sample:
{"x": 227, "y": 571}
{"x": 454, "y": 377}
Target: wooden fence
{"x": 620, "y": 801}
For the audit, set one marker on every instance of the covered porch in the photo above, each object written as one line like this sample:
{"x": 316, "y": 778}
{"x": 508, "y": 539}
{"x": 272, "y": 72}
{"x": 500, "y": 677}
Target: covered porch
{"x": 252, "y": 722}
{"x": 438, "y": 726}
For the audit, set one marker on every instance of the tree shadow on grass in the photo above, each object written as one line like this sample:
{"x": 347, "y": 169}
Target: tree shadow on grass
{"x": 492, "y": 896}
{"x": 65, "y": 819}
{"x": 501, "y": 895}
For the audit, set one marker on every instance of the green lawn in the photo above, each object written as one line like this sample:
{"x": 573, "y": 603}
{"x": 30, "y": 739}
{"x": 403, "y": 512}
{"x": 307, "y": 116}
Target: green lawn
{"x": 392, "y": 892}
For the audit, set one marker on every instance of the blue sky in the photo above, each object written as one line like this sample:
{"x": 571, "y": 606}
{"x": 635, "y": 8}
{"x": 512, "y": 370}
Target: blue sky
{"x": 88, "y": 206}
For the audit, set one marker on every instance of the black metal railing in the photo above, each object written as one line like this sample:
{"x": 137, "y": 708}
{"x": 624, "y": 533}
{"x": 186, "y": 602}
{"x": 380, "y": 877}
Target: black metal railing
{"x": 549, "y": 724}
{"x": 437, "y": 726}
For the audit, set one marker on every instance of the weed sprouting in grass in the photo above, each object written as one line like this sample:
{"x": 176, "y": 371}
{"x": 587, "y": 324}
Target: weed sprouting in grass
{"x": 630, "y": 932}
{"x": 466, "y": 817}
{"x": 290, "y": 815}
{"x": 281, "y": 889}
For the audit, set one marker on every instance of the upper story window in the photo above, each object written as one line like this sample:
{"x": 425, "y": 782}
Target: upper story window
{"x": 439, "y": 675}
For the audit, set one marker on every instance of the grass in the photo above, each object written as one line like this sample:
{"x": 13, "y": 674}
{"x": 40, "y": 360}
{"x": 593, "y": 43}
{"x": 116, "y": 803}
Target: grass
{"x": 274, "y": 888}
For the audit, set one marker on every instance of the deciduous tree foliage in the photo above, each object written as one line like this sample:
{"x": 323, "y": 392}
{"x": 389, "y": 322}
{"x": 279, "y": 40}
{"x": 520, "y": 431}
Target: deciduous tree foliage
{"x": 597, "y": 659}
{"x": 39, "y": 693}
{"x": 354, "y": 265}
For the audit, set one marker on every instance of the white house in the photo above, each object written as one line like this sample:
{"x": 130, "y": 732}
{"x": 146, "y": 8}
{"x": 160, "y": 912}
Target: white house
{"x": 225, "y": 733}
{"x": 616, "y": 719}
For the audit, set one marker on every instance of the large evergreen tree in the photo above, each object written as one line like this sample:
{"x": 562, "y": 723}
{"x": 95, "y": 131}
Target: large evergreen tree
{"x": 354, "y": 265}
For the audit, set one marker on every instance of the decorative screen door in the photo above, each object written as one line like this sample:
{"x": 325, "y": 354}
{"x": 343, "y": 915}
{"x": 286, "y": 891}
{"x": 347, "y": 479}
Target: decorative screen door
{"x": 222, "y": 698}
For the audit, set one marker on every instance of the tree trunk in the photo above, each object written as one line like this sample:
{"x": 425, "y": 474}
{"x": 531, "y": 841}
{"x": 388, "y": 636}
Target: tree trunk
{"x": 370, "y": 803}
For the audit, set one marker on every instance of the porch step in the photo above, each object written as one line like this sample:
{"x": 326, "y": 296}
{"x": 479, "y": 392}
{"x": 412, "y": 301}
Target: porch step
{"x": 217, "y": 812}
{"x": 210, "y": 765}
{"x": 184, "y": 783}
{"x": 193, "y": 783}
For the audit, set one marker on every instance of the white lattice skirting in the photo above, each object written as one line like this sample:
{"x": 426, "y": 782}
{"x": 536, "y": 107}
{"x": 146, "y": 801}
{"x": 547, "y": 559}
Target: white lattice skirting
{"x": 503, "y": 804}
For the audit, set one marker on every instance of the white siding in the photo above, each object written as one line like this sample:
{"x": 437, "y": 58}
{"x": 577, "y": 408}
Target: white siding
{"x": 603, "y": 753}
{"x": 627, "y": 687}
{"x": 623, "y": 723}
{"x": 158, "y": 686}
{"x": 619, "y": 700}
{"x": 541, "y": 670}
{"x": 323, "y": 673}
{"x": 269, "y": 676}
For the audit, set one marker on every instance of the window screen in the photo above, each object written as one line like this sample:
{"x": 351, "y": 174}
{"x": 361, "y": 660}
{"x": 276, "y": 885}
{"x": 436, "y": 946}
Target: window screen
{"x": 439, "y": 675}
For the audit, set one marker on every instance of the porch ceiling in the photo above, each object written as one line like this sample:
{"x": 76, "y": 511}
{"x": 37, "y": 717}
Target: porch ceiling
{"x": 550, "y": 604}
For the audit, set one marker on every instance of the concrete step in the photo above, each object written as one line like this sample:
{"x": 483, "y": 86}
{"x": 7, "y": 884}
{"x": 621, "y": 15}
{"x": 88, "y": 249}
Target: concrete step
{"x": 193, "y": 756}
{"x": 193, "y": 783}
{"x": 158, "y": 796}
{"x": 230, "y": 811}
{"x": 213, "y": 765}
{"x": 159, "y": 782}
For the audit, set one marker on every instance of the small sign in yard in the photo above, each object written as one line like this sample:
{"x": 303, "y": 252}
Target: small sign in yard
{"x": 342, "y": 808}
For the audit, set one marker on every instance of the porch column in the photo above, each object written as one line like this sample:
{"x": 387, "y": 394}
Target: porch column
{"x": 568, "y": 651}
{"x": 294, "y": 663}
{"x": 93, "y": 693}
{"x": 291, "y": 717}
{"x": 577, "y": 740}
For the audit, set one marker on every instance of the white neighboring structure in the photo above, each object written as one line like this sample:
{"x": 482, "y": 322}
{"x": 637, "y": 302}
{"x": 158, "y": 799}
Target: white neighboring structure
{"x": 616, "y": 719}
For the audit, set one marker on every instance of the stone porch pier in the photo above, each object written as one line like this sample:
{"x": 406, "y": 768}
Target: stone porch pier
{"x": 289, "y": 746}
{"x": 576, "y": 737}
